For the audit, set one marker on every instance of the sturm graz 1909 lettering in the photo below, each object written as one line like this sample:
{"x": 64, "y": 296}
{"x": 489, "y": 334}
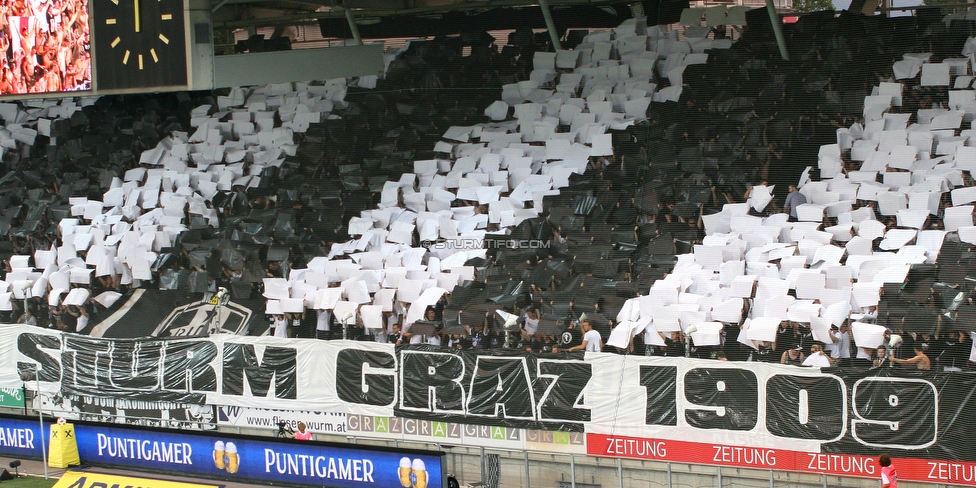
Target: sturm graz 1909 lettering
{"x": 842, "y": 411}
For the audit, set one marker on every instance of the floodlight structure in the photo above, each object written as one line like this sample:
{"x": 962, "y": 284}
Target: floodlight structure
{"x": 40, "y": 415}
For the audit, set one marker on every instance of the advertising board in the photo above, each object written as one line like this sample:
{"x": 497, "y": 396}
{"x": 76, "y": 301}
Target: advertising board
{"x": 231, "y": 457}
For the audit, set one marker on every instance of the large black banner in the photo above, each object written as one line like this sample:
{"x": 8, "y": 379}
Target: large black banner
{"x": 852, "y": 411}
{"x": 917, "y": 414}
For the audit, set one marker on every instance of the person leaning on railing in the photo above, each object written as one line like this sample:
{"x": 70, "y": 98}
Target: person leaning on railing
{"x": 302, "y": 434}
{"x": 921, "y": 360}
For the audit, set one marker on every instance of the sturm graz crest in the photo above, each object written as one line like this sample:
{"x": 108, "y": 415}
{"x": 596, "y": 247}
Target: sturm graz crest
{"x": 204, "y": 318}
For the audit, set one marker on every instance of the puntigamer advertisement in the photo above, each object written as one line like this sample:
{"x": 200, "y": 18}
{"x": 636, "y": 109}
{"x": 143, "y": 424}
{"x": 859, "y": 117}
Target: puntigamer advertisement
{"x": 228, "y": 457}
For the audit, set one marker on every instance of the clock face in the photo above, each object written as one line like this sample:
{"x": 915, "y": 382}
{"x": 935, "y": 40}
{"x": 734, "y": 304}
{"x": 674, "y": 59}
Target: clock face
{"x": 139, "y": 44}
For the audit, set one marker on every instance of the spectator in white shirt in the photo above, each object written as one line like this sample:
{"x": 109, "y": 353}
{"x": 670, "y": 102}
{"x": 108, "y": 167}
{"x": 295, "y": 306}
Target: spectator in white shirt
{"x": 414, "y": 338}
{"x": 323, "y": 324}
{"x": 531, "y": 324}
{"x": 841, "y": 352}
{"x": 280, "y": 324}
{"x": 592, "y": 342}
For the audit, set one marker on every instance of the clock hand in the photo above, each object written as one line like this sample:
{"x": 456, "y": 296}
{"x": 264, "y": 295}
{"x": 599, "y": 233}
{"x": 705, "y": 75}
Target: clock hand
{"x": 136, "y": 5}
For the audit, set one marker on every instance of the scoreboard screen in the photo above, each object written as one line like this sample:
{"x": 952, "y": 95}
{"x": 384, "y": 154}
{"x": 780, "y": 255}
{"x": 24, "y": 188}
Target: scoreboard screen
{"x": 45, "y": 47}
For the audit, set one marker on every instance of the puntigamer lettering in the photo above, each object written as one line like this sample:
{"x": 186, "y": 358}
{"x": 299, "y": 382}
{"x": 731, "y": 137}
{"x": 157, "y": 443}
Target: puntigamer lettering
{"x": 145, "y": 450}
{"x": 19, "y": 438}
{"x": 323, "y": 467}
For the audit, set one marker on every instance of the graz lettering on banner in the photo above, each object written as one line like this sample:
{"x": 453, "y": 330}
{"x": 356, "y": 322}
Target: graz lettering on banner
{"x": 444, "y": 433}
{"x": 450, "y": 433}
{"x": 517, "y": 391}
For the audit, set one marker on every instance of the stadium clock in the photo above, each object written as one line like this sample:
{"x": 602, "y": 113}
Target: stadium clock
{"x": 139, "y": 44}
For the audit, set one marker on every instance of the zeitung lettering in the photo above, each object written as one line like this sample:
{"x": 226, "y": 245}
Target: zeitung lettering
{"x": 637, "y": 447}
{"x": 744, "y": 455}
{"x": 952, "y": 472}
{"x": 841, "y": 463}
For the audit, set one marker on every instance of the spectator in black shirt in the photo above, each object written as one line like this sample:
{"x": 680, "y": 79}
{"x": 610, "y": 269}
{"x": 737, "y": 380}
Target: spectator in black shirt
{"x": 787, "y": 337}
{"x": 765, "y": 353}
{"x": 673, "y": 346}
{"x": 496, "y": 340}
{"x": 396, "y": 337}
{"x": 571, "y": 337}
{"x": 547, "y": 344}
{"x": 68, "y": 322}
{"x": 735, "y": 350}
{"x": 793, "y": 356}
{"x": 273, "y": 270}
{"x": 881, "y": 358}
{"x": 954, "y": 351}
{"x": 479, "y": 340}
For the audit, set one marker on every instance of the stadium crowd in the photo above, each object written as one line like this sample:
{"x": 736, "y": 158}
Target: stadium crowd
{"x": 612, "y": 200}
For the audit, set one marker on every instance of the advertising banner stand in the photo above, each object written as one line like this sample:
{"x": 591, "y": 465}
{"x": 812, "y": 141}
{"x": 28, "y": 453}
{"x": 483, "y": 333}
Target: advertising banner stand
{"x": 64, "y": 447}
{"x": 12, "y": 397}
{"x": 219, "y": 455}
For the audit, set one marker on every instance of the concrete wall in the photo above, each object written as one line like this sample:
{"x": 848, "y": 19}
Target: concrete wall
{"x": 297, "y": 65}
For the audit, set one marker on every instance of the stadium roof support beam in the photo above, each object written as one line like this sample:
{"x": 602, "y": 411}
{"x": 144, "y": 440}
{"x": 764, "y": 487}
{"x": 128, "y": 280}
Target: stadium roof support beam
{"x": 550, "y": 25}
{"x": 335, "y": 13}
{"x": 353, "y": 28}
{"x": 777, "y": 29}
